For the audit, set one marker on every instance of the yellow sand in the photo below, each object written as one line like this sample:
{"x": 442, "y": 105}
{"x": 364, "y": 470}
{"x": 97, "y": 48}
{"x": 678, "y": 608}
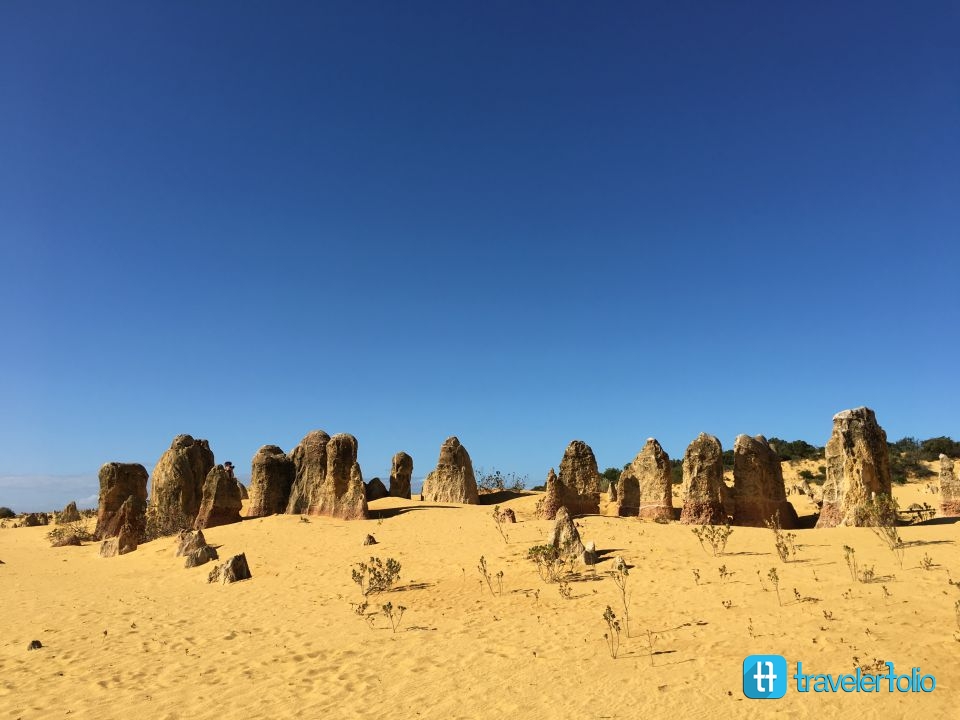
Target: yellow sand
{"x": 139, "y": 636}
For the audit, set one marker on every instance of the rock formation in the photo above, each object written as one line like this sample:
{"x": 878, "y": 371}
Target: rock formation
{"x": 118, "y": 481}
{"x": 69, "y": 514}
{"x": 550, "y": 502}
{"x": 188, "y": 541}
{"x": 705, "y": 496}
{"x": 758, "y": 485}
{"x": 35, "y": 520}
{"x": 310, "y": 469}
{"x": 453, "y": 480}
{"x": 220, "y": 502}
{"x": 949, "y": 489}
{"x": 232, "y": 570}
{"x": 645, "y": 487}
{"x": 375, "y": 489}
{"x": 200, "y": 556}
{"x": 590, "y": 555}
{"x": 342, "y": 493}
{"x": 564, "y": 536}
{"x": 244, "y": 494}
{"x": 178, "y": 479}
{"x": 401, "y": 470}
{"x": 272, "y": 473}
{"x": 509, "y": 515}
{"x": 858, "y": 467}
{"x": 577, "y": 487}
{"x": 130, "y": 524}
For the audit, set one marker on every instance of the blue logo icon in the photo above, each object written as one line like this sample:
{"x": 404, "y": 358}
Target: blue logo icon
{"x": 764, "y": 677}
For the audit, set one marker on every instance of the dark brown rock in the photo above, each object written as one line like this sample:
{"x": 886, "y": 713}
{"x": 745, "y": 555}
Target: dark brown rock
{"x": 369, "y": 540}
{"x": 188, "y": 541}
{"x": 272, "y": 474}
{"x": 233, "y": 570}
{"x": 342, "y": 493}
{"x": 68, "y": 539}
{"x": 645, "y": 488}
{"x": 244, "y": 494}
{"x": 178, "y": 479}
{"x": 509, "y": 515}
{"x": 220, "y": 503}
{"x": 375, "y": 489}
{"x": 760, "y": 495}
{"x": 69, "y": 514}
{"x": 35, "y": 520}
{"x": 705, "y": 494}
{"x": 118, "y": 481}
{"x": 401, "y": 471}
{"x": 858, "y": 467}
{"x": 310, "y": 470}
{"x": 200, "y": 556}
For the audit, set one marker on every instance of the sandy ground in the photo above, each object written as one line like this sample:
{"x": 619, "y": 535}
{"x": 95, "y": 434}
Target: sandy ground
{"x": 140, "y": 636}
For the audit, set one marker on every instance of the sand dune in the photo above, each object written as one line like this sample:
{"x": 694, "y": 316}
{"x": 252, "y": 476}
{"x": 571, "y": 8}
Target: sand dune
{"x": 140, "y": 636}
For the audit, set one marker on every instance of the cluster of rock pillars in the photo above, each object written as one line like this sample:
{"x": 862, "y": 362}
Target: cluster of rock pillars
{"x": 321, "y": 476}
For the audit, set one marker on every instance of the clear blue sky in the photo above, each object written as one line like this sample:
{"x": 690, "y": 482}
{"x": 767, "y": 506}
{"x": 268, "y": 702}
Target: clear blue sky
{"x": 519, "y": 223}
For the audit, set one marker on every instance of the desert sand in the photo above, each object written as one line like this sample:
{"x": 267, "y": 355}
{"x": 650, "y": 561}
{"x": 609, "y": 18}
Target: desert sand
{"x": 140, "y": 636}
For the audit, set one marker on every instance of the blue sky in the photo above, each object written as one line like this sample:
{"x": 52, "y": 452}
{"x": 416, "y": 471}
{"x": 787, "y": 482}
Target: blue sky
{"x": 519, "y": 223}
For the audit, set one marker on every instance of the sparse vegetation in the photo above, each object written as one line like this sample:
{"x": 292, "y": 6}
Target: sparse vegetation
{"x": 6, "y": 513}
{"x": 716, "y": 536}
{"x": 785, "y": 543}
{"x": 496, "y": 481}
{"x": 927, "y": 562}
{"x": 164, "y": 523}
{"x": 620, "y": 575}
{"x": 74, "y": 529}
{"x": 880, "y": 514}
{"x": 500, "y": 518}
{"x": 376, "y": 576}
{"x": 612, "y": 635}
{"x": 394, "y": 615}
{"x": 850, "y": 556}
{"x": 551, "y": 563}
{"x": 775, "y": 579}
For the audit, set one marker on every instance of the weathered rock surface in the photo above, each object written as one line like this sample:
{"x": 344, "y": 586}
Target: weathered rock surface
{"x": 369, "y": 540}
{"x": 233, "y": 570}
{"x": 550, "y": 503}
{"x": 342, "y": 493}
{"x": 272, "y": 474}
{"x": 220, "y": 503}
{"x": 705, "y": 494}
{"x": 200, "y": 556}
{"x": 758, "y": 488}
{"x": 401, "y": 471}
{"x": 244, "y": 493}
{"x": 564, "y": 536}
{"x": 35, "y": 520}
{"x": 949, "y": 488}
{"x": 590, "y": 555}
{"x": 310, "y": 470}
{"x": 178, "y": 479}
{"x": 69, "y": 514}
{"x": 118, "y": 481}
{"x": 508, "y": 515}
{"x": 453, "y": 480}
{"x": 188, "y": 541}
{"x": 375, "y": 489}
{"x": 645, "y": 487}
{"x": 858, "y": 467}
{"x": 66, "y": 540}
{"x": 577, "y": 486}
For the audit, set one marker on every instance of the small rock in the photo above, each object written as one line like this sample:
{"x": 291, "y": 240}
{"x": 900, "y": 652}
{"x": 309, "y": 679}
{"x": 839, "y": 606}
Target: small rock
{"x": 509, "y": 515}
{"x": 34, "y": 645}
{"x": 190, "y": 541}
{"x": 369, "y": 540}
{"x": 590, "y": 553}
{"x": 200, "y": 556}
{"x": 69, "y": 514}
{"x": 233, "y": 570}
{"x": 66, "y": 541}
